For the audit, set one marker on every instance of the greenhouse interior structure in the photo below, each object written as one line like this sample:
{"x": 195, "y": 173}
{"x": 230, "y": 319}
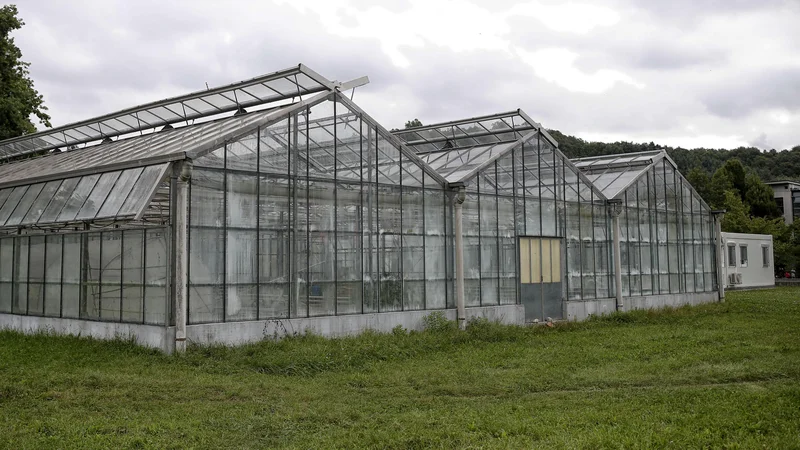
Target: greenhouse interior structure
{"x": 277, "y": 206}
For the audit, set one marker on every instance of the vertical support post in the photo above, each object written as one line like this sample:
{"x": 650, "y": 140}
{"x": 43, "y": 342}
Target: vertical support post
{"x": 461, "y": 313}
{"x": 181, "y": 254}
{"x": 719, "y": 252}
{"x": 615, "y": 209}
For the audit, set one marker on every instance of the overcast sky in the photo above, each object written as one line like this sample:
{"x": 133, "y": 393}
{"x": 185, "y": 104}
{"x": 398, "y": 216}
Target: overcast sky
{"x": 713, "y": 73}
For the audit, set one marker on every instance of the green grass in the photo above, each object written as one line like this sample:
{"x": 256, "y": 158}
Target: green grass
{"x": 715, "y": 376}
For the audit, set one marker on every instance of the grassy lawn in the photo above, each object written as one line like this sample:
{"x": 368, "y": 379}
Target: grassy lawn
{"x": 719, "y": 375}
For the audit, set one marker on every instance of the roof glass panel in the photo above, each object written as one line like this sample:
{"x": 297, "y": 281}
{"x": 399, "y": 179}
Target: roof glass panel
{"x": 141, "y": 192}
{"x": 119, "y": 194}
{"x": 612, "y": 174}
{"x": 41, "y": 202}
{"x": 469, "y": 132}
{"x": 98, "y": 196}
{"x": 84, "y": 198}
{"x": 11, "y": 202}
{"x": 24, "y": 204}
{"x": 60, "y": 198}
{"x": 173, "y": 110}
{"x": 4, "y": 195}
{"x": 78, "y": 198}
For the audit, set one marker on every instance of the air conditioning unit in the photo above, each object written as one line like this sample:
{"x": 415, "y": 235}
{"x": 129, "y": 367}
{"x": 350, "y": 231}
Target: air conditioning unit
{"x": 734, "y": 278}
{"x": 738, "y": 278}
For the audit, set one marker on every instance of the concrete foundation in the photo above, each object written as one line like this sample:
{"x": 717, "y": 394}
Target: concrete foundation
{"x": 581, "y": 310}
{"x": 153, "y": 336}
{"x": 235, "y": 333}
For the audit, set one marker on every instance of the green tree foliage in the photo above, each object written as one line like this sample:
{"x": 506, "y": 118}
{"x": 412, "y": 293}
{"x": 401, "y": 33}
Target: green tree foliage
{"x": 736, "y": 173}
{"x": 760, "y": 197}
{"x": 18, "y": 98}
{"x": 721, "y": 183}
{"x": 737, "y": 219}
{"x": 700, "y": 181}
{"x": 413, "y": 124}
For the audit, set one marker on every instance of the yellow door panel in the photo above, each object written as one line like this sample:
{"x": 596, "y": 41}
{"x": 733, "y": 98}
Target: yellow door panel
{"x": 555, "y": 250}
{"x": 525, "y": 261}
{"x": 546, "y": 262}
{"x": 536, "y": 262}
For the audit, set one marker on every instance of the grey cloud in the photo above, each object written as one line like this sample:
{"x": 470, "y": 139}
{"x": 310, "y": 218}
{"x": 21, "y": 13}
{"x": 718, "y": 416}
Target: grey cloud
{"x": 742, "y": 94}
{"x": 135, "y": 56}
{"x": 761, "y": 142}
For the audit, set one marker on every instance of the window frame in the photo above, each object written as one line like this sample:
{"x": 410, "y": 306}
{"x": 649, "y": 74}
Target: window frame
{"x": 743, "y": 255}
{"x": 731, "y": 261}
{"x": 765, "y": 259}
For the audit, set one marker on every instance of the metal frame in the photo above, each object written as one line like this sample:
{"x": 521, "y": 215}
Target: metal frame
{"x": 129, "y": 120}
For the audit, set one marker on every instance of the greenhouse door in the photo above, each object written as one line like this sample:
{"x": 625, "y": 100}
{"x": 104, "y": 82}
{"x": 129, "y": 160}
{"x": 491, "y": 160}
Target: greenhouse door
{"x": 540, "y": 277}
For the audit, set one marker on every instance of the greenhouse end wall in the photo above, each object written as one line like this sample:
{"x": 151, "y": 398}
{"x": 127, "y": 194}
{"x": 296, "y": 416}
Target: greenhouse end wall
{"x": 318, "y": 214}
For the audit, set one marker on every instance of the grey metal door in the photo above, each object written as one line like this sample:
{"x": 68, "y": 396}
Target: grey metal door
{"x": 540, "y": 277}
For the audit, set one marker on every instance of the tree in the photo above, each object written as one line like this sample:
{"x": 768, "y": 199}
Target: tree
{"x": 760, "y": 197}
{"x": 18, "y": 98}
{"x": 720, "y": 184}
{"x": 737, "y": 174}
{"x": 736, "y": 219}
{"x": 413, "y": 123}
{"x": 700, "y": 181}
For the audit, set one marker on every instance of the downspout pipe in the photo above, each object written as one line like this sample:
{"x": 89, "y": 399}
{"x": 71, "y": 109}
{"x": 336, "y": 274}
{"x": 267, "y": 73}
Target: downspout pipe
{"x": 458, "y": 201}
{"x": 181, "y": 253}
{"x": 719, "y": 254}
{"x": 615, "y": 209}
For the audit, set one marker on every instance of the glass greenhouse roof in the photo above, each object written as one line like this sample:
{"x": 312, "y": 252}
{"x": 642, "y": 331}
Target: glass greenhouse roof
{"x": 455, "y": 165}
{"x": 165, "y": 146}
{"x": 264, "y": 90}
{"x": 477, "y": 131}
{"x": 612, "y": 174}
{"x": 121, "y": 194}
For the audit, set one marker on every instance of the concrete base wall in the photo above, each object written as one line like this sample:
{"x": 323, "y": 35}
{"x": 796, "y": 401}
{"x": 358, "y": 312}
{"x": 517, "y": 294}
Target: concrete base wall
{"x": 153, "y": 336}
{"x": 581, "y": 310}
{"x": 235, "y": 333}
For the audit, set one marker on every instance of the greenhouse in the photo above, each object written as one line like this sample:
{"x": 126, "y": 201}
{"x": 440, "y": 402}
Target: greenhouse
{"x": 276, "y": 206}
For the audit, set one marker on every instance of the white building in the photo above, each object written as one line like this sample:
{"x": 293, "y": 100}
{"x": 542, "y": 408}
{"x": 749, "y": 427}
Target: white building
{"x": 787, "y": 197}
{"x": 748, "y": 260}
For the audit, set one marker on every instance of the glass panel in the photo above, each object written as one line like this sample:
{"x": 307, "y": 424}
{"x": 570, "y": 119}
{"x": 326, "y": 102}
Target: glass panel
{"x": 4, "y": 193}
{"x": 11, "y": 202}
{"x": 38, "y": 206}
{"x": 206, "y": 268}
{"x": 242, "y": 200}
{"x": 52, "y": 276}
{"x": 6, "y": 273}
{"x": 72, "y": 276}
{"x": 138, "y": 197}
{"x": 98, "y": 196}
{"x": 242, "y": 153}
{"x": 60, "y": 198}
{"x": 36, "y": 276}
{"x": 156, "y": 273}
{"x": 207, "y": 199}
{"x": 90, "y": 306}
{"x": 111, "y": 276}
{"x": 132, "y": 276}
{"x": 241, "y": 270}
{"x": 119, "y": 194}
{"x": 20, "y": 305}
{"x": 78, "y": 198}
{"x": 24, "y": 204}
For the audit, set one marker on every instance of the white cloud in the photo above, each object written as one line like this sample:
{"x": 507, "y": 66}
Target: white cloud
{"x": 557, "y": 65}
{"x": 679, "y": 72}
{"x": 580, "y": 18}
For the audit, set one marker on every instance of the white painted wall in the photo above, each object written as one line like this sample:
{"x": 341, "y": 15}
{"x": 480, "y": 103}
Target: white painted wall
{"x": 754, "y": 271}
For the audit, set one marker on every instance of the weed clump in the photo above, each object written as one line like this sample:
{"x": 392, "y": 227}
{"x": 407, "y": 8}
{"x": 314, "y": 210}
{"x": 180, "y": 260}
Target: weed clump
{"x": 437, "y": 322}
